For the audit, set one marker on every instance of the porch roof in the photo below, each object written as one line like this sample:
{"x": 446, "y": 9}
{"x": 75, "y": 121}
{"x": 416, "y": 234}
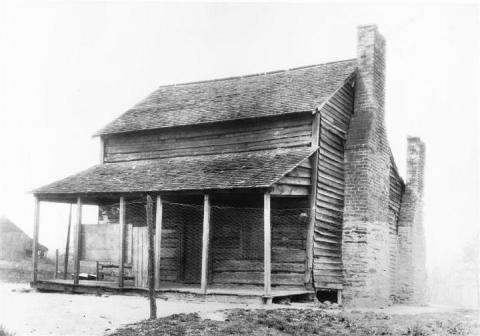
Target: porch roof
{"x": 224, "y": 171}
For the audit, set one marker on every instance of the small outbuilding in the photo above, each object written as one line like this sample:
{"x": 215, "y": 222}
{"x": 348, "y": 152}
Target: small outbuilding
{"x": 16, "y": 245}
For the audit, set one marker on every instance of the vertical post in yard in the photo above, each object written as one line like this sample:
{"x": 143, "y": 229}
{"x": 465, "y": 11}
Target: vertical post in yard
{"x": 121, "y": 258}
{"x": 67, "y": 245}
{"x": 205, "y": 244}
{"x": 76, "y": 243}
{"x": 151, "y": 260}
{"x": 158, "y": 240}
{"x": 36, "y": 221}
{"x": 56, "y": 263}
{"x": 267, "y": 248}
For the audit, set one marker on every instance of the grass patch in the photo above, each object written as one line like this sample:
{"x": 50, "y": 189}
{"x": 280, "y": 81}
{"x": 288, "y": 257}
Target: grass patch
{"x": 307, "y": 322}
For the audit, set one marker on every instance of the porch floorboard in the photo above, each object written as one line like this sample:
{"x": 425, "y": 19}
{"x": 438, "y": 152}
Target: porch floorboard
{"x": 94, "y": 286}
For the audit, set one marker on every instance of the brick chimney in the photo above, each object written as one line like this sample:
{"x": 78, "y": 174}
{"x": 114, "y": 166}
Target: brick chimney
{"x": 365, "y": 254}
{"x": 412, "y": 275}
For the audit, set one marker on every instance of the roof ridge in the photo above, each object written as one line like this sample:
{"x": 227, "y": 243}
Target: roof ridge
{"x": 254, "y": 74}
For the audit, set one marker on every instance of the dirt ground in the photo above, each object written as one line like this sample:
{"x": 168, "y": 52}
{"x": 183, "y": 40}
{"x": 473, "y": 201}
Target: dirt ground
{"x": 34, "y": 313}
{"x": 27, "y": 312}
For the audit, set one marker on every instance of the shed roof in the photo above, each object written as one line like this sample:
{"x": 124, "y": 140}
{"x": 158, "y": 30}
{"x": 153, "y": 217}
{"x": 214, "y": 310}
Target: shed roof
{"x": 223, "y": 171}
{"x": 7, "y": 227}
{"x": 259, "y": 95}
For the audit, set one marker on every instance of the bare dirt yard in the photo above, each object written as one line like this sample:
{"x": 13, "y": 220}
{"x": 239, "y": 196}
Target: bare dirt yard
{"x": 27, "y": 312}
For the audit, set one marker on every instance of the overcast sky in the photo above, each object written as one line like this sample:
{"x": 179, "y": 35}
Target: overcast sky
{"x": 68, "y": 69}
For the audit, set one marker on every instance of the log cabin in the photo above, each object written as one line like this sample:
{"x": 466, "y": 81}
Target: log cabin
{"x": 271, "y": 185}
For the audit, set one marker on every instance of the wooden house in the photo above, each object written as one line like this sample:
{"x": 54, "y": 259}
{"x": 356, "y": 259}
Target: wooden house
{"x": 16, "y": 245}
{"x": 264, "y": 184}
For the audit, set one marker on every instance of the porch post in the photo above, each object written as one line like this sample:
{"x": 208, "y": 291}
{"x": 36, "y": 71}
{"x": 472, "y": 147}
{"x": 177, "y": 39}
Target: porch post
{"x": 158, "y": 240}
{"x": 205, "y": 243}
{"x": 36, "y": 222}
{"x": 313, "y": 196}
{"x": 121, "y": 258}
{"x": 76, "y": 242}
{"x": 267, "y": 247}
{"x": 67, "y": 245}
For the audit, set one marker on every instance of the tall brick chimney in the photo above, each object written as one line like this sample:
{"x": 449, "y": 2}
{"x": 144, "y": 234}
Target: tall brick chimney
{"x": 365, "y": 254}
{"x": 412, "y": 275}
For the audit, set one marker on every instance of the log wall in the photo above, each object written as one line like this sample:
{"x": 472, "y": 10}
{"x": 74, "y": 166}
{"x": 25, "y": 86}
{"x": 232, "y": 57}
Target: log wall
{"x": 237, "y": 247}
{"x": 239, "y": 136}
{"x": 335, "y": 120}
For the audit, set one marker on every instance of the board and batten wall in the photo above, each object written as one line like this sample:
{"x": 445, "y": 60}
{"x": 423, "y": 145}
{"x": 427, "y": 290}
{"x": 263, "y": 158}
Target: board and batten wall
{"x": 335, "y": 120}
{"x": 287, "y": 131}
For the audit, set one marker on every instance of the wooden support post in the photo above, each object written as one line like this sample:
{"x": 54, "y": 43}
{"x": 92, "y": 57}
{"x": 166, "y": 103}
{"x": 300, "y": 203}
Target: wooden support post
{"x": 313, "y": 198}
{"x": 339, "y": 297}
{"x": 267, "y": 247}
{"x": 76, "y": 243}
{"x": 205, "y": 243}
{"x": 102, "y": 150}
{"x": 36, "y": 222}
{"x": 151, "y": 260}
{"x": 121, "y": 258}
{"x": 67, "y": 245}
{"x": 158, "y": 240}
{"x": 97, "y": 270}
{"x": 56, "y": 263}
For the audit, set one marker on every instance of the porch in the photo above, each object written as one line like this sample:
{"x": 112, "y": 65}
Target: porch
{"x": 252, "y": 294}
{"x": 213, "y": 245}
{"x": 226, "y": 221}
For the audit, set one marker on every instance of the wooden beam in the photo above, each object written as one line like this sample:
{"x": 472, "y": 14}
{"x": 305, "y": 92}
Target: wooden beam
{"x": 121, "y": 259}
{"x": 151, "y": 260}
{"x": 315, "y": 129}
{"x": 76, "y": 242}
{"x": 56, "y": 263}
{"x": 313, "y": 197}
{"x": 67, "y": 245}
{"x": 205, "y": 243}
{"x": 267, "y": 232}
{"x": 36, "y": 222}
{"x": 158, "y": 240}
{"x": 102, "y": 149}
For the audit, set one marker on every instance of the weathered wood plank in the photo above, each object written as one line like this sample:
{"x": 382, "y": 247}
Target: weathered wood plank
{"x": 158, "y": 241}
{"x": 76, "y": 243}
{"x": 256, "y": 278}
{"x": 288, "y": 255}
{"x": 255, "y": 266}
{"x": 207, "y": 139}
{"x": 267, "y": 236}
{"x": 289, "y": 190}
{"x": 36, "y": 223}
{"x": 205, "y": 243}
{"x": 122, "y": 239}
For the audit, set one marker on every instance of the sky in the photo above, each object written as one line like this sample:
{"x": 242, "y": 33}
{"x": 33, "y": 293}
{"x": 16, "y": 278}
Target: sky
{"x": 67, "y": 69}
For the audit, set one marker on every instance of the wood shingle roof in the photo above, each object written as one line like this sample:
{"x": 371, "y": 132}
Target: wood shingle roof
{"x": 260, "y": 95}
{"x": 224, "y": 171}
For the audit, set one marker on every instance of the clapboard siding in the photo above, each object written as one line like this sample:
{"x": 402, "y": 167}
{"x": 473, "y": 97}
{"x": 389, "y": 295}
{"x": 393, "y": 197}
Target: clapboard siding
{"x": 335, "y": 120}
{"x": 295, "y": 183}
{"x": 231, "y": 137}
